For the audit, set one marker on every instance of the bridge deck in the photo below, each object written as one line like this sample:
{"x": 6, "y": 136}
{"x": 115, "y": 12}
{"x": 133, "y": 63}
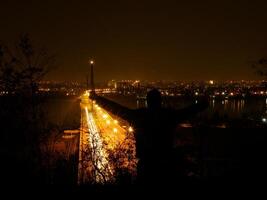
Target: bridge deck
{"x": 105, "y": 142}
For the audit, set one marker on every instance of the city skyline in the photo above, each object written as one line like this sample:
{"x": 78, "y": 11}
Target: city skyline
{"x": 143, "y": 40}
{"x": 127, "y": 95}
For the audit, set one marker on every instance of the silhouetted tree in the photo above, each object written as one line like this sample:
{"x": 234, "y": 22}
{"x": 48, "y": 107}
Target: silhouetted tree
{"x": 21, "y": 115}
{"x": 23, "y": 66}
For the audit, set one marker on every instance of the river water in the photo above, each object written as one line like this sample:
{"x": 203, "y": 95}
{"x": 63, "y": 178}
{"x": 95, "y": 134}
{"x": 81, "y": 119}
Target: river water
{"x": 65, "y": 112}
{"x": 221, "y": 109}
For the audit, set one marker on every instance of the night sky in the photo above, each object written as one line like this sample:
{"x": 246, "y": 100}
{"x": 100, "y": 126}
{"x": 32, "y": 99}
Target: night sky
{"x": 128, "y": 39}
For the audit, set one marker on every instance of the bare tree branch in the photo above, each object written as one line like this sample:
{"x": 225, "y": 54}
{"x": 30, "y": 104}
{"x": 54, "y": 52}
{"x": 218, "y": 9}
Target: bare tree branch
{"x": 24, "y": 66}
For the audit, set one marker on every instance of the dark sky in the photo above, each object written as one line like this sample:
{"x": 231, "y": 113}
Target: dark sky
{"x": 143, "y": 39}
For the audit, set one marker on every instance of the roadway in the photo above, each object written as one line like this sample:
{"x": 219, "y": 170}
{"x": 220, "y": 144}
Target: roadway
{"x": 102, "y": 135}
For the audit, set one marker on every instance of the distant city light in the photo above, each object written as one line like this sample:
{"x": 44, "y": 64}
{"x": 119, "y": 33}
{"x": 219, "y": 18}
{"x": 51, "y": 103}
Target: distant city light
{"x": 196, "y": 93}
{"x": 108, "y": 122}
{"x": 91, "y": 62}
{"x": 211, "y": 82}
{"x": 86, "y": 93}
{"x": 105, "y": 116}
{"x": 115, "y": 130}
{"x": 116, "y": 121}
{"x": 130, "y": 129}
{"x": 264, "y": 120}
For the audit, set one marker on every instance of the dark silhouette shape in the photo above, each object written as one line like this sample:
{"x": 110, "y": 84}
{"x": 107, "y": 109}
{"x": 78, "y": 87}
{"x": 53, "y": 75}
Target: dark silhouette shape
{"x": 154, "y": 99}
{"x": 154, "y": 132}
{"x": 22, "y": 115}
{"x": 23, "y": 66}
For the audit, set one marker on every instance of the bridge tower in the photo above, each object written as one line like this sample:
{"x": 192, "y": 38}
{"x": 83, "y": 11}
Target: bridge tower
{"x": 92, "y": 76}
{"x": 92, "y": 83}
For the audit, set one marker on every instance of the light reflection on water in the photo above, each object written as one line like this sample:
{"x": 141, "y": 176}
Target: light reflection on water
{"x": 66, "y": 111}
{"x": 230, "y": 108}
{"x": 238, "y": 108}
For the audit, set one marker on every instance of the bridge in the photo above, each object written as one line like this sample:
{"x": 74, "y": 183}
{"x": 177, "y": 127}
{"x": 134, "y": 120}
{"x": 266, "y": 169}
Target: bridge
{"x": 107, "y": 145}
